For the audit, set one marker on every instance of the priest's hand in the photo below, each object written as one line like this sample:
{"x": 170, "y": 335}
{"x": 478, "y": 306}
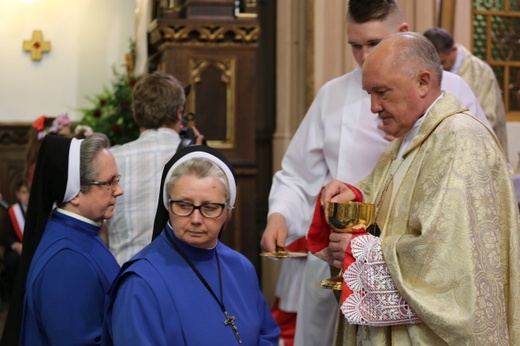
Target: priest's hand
{"x": 336, "y": 191}
{"x": 275, "y": 233}
{"x": 337, "y": 247}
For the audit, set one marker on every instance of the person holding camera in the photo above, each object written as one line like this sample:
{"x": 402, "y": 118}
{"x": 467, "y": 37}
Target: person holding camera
{"x": 158, "y": 104}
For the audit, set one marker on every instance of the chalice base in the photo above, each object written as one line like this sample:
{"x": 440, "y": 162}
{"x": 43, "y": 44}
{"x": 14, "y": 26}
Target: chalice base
{"x": 333, "y": 283}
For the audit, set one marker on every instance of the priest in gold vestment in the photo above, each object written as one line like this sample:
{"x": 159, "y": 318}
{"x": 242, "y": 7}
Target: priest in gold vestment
{"x": 445, "y": 268}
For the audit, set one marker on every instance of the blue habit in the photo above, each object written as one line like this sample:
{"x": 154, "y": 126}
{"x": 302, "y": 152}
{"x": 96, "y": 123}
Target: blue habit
{"x": 158, "y": 299}
{"x": 70, "y": 273}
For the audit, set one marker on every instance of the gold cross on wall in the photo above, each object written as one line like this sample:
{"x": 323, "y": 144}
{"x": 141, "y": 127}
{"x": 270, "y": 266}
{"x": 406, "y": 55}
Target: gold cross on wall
{"x": 36, "y": 45}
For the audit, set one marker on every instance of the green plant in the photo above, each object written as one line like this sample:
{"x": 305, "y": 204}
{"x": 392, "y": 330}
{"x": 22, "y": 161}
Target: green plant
{"x": 112, "y": 111}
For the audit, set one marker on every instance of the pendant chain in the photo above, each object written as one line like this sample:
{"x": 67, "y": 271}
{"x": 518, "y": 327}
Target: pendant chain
{"x": 230, "y": 320}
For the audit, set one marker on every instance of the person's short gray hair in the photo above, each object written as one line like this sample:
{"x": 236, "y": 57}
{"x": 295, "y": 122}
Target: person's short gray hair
{"x": 200, "y": 168}
{"x": 89, "y": 150}
{"x": 416, "y": 53}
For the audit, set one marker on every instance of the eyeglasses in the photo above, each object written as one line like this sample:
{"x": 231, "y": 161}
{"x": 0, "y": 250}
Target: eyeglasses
{"x": 112, "y": 183}
{"x": 208, "y": 210}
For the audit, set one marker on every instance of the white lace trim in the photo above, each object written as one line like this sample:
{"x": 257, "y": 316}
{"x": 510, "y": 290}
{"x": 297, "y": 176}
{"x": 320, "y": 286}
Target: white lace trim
{"x": 375, "y": 301}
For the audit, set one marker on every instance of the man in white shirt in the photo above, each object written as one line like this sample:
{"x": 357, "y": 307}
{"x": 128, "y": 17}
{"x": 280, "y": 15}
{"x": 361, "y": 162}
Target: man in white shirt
{"x": 158, "y": 103}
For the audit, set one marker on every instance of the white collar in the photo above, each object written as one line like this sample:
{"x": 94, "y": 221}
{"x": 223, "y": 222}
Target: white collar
{"x": 77, "y": 216}
{"x": 409, "y": 136}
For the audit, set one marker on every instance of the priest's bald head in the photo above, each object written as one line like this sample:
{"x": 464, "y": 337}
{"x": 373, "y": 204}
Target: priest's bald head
{"x": 403, "y": 76}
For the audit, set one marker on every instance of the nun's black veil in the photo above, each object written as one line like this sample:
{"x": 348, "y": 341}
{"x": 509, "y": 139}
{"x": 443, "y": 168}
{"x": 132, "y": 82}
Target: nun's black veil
{"x": 49, "y": 185}
{"x": 162, "y": 216}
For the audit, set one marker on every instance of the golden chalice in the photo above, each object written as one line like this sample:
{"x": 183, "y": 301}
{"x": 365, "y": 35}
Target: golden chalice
{"x": 346, "y": 217}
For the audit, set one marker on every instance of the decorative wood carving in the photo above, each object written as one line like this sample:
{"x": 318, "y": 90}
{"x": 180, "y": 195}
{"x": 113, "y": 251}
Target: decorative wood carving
{"x": 234, "y": 34}
{"x": 196, "y": 9}
{"x": 205, "y": 9}
{"x": 219, "y": 77}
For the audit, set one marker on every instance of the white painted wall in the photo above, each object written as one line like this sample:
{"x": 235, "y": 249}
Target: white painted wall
{"x": 87, "y": 38}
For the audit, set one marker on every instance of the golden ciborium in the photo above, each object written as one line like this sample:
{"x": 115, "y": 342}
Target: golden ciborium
{"x": 346, "y": 217}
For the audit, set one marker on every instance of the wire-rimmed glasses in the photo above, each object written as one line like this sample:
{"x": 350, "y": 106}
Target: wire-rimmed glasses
{"x": 112, "y": 183}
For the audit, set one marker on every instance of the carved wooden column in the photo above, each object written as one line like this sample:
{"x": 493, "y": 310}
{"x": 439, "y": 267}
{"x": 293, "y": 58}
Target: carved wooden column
{"x": 212, "y": 45}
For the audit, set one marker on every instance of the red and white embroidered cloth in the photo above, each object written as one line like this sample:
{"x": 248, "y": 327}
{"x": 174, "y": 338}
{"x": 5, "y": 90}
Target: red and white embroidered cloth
{"x": 374, "y": 300}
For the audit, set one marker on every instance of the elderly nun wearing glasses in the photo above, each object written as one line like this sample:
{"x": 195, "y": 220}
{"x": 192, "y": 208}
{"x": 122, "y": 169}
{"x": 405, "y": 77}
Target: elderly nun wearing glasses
{"x": 66, "y": 269}
{"x": 186, "y": 287}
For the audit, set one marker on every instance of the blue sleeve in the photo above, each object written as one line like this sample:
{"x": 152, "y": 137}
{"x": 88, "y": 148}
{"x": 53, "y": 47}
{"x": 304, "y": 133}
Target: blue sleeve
{"x": 135, "y": 316}
{"x": 71, "y": 299}
{"x": 269, "y": 330}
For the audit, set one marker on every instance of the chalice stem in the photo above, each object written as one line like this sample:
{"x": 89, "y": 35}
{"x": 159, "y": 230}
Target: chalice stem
{"x": 333, "y": 283}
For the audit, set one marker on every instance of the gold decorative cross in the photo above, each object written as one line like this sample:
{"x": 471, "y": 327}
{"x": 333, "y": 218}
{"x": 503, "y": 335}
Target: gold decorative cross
{"x": 36, "y": 45}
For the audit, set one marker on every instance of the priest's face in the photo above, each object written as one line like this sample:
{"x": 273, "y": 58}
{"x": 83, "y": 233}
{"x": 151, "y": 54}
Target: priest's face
{"x": 397, "y": 92}
{"x": 363, "y": 37}
{"x": 196, "y": 229}
{"x": 98, "y": 202}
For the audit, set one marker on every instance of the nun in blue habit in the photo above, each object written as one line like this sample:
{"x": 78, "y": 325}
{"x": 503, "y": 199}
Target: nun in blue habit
{"x": 65, "y": 269}
{"x": 186, "y": 287}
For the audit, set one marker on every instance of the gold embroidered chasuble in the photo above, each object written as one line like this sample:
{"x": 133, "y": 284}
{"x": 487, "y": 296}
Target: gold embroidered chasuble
{"x": 451, "y": 237}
